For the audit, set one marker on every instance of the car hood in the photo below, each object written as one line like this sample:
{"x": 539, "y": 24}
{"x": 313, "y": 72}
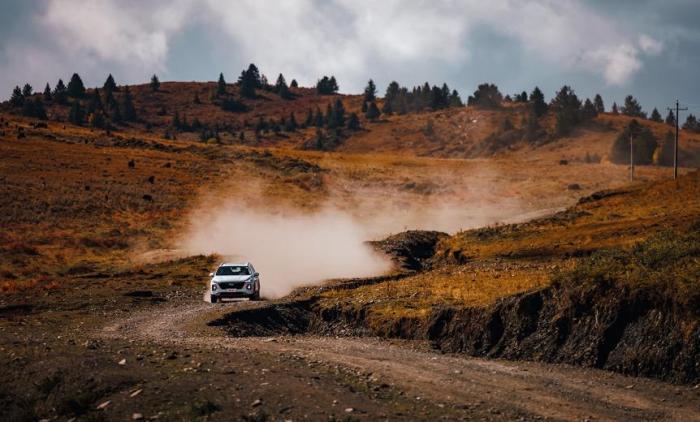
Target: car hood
{"x": 227, "y": 278}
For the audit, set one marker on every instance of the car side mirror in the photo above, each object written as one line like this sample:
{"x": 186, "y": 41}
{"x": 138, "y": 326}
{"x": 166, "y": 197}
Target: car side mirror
{"x": 256, "y": 274}
{"x": 211, "y": 274}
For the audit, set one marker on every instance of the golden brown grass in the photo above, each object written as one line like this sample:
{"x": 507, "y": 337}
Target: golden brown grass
{"x": 71, "y": 204}
{"x": 477, "y": 267}
{"x": 470, "y": 285}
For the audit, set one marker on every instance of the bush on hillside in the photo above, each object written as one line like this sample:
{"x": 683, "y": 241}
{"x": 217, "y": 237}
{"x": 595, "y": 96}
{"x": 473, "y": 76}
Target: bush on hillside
{"x": 644, "y": 145}
{"x": 664, "y": 270}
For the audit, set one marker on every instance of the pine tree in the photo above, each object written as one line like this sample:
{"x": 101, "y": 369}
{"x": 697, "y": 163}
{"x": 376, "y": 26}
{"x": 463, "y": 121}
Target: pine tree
{"x": 249, "y": 81}
{"x": 17, "y": 99}
{"x": 282, "y": 89}
{"x": 95, "y": 103}
{"x": 33, "y": 108}
{"x": 47, "y": 93}
{"x": 455, "y": 100}
{"x": 439, "y": 97}
{"x": 76, "y": 115}
{"x": 291, "y": 123}
{"x": 328, "y": 117}
{"x": 60, "y": 92}
{"x": 665, "y": 154}
{"x": 391, "y": 97}
{"x": 353, "y": 122}
{"x": 614, "y": 109}
{"x": 176, "y": 124}
{"x": 318, "y": 118}
{"x": 532, "y": 127}
{"x": 656, "y": 116}
{"x": 254, "y": 75}
{"x": 128, "y": 109}
{"x": 76, "y": 89}
{"x": 27, "y": 90}
{"x": 113, "y": 109}
{"x": 486, "y": 95}
{"x": 110, "y": 85}
{"x": 691, "y": 123}
{"x": 670, "y": 118}
{"x": 539, "y": 106}
{"x": 294, "y": 84}
{"x": 372, "y": 111}
{"x": 338, "y": 114}
{"x": 567, "y": 107}
{"x": 598, "y": 103}
{"x": 588, "y": 111}
{"x": 370, "y": 91}
{"x": 327, "y": 86}
{"x": 309, "y": 121}
{"x": 632, "y": 107}
{"x": 221, "y": 86}
{"x": 155, "y": 83}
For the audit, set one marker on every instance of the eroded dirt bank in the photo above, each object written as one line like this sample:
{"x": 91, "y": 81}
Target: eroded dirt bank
{"x": 633, "y": 328}
{"x": 451, "y": 386}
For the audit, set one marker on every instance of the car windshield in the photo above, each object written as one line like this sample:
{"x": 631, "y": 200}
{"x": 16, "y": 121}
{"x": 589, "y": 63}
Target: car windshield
{"x": 233, "y": 270}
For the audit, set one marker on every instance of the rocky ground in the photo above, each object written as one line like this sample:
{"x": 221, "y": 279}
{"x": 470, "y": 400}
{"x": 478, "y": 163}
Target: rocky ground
{"x": 153, "y": 354}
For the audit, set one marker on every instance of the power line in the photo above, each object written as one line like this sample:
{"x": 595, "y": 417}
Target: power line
{"x": 675, "y": 144}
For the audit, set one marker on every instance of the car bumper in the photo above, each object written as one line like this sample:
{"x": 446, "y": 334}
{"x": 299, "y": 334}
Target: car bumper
{"x": 233, "y": 294}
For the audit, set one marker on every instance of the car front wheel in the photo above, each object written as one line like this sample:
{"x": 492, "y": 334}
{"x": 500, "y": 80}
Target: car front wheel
{"x": 214, "y": 299}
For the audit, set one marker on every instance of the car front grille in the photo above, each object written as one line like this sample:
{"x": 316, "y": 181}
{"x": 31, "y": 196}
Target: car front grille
{"x": 232, "y": 285}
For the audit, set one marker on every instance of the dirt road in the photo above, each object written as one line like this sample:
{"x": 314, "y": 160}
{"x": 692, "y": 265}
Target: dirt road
{"x": 461, "y": 387}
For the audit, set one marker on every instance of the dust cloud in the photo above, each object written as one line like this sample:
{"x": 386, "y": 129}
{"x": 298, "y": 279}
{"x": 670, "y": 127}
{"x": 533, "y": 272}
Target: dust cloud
{"x": 292, "y": 245}
{"x": 288, "y": 249}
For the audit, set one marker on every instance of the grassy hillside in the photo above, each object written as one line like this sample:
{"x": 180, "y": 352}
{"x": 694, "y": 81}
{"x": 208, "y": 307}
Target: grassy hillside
{"x": 79, "y": 198}
{"x": 450, "y": 133}
{"x": 475, "y": 268}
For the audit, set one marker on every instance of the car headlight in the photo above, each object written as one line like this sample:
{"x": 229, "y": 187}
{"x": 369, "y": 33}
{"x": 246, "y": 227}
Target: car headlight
{"x": 214, "y": 286}
{"x": 248, "y": 286}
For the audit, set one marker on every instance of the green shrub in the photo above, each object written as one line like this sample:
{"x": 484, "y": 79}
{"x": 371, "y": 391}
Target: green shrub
{"x": 664, "y": 269}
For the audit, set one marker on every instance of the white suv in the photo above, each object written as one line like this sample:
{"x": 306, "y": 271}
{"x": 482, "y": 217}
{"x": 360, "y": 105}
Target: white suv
{"x": 235, "y": 280}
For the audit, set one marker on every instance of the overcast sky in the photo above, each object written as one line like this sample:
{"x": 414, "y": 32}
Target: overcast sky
{"x": 647, "y": 48}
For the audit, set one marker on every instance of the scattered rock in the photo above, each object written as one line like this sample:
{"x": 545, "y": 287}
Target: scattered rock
{"x": 122, "y": 362}
{"x": 256, "y": 403}
{"x": 136, "y": 416}
{"x": 135, "y": 393}
{"x": 103, "y": 405}
{"x": 91, "y": 344}
{"x": 349, "y": 410}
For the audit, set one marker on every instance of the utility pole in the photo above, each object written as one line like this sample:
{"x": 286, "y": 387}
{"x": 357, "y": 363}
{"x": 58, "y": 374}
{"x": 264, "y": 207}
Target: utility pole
{"x": 675, "y": 144}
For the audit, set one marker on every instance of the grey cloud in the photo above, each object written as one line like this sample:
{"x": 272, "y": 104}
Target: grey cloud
{"x": 607, "y": 47}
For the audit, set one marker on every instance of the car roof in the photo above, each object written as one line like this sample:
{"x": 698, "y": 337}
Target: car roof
{"x": 235, "y": 264}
